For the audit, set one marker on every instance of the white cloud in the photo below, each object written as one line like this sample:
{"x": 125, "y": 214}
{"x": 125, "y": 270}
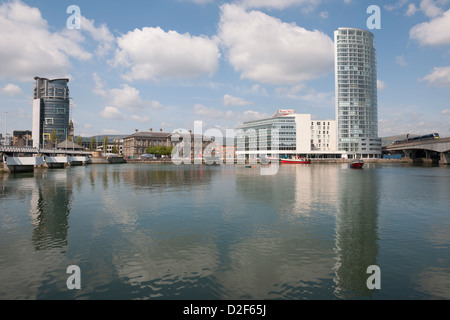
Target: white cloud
{"x": 395, "y": 6}
{"x": 112, "y": 113}
{"x": 234, "y": 101}
{"x": 140, "y": 118}
{"x": 412, "y": 9}
{"x": 203, "y": 111}
{"x": 10, "y": 90}
{"x": 381, "y": 85}
{"x": 430, "y": 9}
{"x": 439, "y": 77}
{"x": 308, "y": 5}
{"x": 28, "y": 48}
{"x": 267, "y": 50}
{"x": 433, "y": 33}
{"x": 152, "y": 53}
{"x": 126, "y": 97}
{"x": 100, "y": 34}
{"x": 100, "y": 86}
{"x": 446, "y": 111}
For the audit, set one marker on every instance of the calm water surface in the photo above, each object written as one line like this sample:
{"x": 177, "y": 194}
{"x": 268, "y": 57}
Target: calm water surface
{"x": 144, "y": 231}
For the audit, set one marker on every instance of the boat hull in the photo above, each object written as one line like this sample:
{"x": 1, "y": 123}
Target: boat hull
{"x": 356, "y": 165}
{"x": 293, "y": 161}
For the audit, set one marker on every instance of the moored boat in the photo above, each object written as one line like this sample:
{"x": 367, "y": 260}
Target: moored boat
{"x": 357, "y": 164}
{"x": 296, "y": 161}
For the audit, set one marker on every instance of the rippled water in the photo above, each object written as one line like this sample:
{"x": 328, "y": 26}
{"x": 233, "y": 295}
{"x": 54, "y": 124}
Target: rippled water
{"x": 141, "y": 231}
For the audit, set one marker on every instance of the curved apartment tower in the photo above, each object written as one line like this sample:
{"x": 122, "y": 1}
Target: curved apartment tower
{"x": 51, "y": 110}
{"x": 356, "y": 93}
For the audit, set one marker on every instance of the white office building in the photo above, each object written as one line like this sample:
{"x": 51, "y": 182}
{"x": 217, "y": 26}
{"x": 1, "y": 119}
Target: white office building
{"x": 356, "y": 93}
{"x": 287, "y": 134}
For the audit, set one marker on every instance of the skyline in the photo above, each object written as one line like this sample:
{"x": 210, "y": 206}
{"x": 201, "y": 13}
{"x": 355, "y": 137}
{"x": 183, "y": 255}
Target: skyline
{"x": 166, "y": 64}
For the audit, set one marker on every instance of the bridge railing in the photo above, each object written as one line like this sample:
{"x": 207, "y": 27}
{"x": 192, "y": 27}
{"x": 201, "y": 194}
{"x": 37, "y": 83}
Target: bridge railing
{"x": 31, "y": 150}
{"x": 11, "y": 149}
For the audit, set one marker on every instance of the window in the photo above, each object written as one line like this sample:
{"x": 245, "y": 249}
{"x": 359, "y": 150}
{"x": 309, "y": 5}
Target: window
{"x": 49, "y": 121}
{"x": 61, "y": 111}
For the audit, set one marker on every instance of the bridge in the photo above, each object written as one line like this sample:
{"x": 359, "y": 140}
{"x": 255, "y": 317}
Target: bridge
{"x": 23, "y": 159}
{"x": 10, "y": 150}
{"x": 434, "y": 149}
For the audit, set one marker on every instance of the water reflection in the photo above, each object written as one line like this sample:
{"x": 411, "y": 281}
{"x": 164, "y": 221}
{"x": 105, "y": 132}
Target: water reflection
{"x": 50, "y": 207}
{"x": 167, "y": 176}
{"x": 356, "y": 232}
{"x": 225, "y": 232}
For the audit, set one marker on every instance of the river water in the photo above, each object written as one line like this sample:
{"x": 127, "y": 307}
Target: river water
{"x": 162, "y": 231}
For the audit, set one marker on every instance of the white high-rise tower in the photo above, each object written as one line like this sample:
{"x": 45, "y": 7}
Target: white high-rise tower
{"x": 356, "y": 93}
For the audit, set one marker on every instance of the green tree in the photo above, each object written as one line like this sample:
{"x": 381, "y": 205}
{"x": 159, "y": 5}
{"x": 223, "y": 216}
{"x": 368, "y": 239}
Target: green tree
{"x": 115, "y": 149}
{"x": 53, "y": 136}
{"x": 105, "y": 144}
{"x": 92, "y": 144}
{"x": 79, "y": 140}
{"x": 159, "y": 150}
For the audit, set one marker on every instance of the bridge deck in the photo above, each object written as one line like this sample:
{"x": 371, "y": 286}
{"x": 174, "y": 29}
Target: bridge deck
{"x": 432, "y": 144}
{"x": 30, "y": 150}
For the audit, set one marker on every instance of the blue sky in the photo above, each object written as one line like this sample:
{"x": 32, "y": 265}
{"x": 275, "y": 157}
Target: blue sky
{"x": 165, "y": 64}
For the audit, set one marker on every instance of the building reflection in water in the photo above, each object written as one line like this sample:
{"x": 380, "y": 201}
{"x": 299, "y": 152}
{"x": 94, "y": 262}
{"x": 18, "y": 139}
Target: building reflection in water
{"x": 167, "y": 176}
{"x": 49, "y": 210}
{"x": 356, "y": 232}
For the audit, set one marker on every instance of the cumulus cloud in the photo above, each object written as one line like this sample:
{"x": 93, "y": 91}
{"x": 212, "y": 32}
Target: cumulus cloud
{"x": 125, "y": 97}
{"x": 229, "y": 100}
{"x": 439, "y": 77}
{"x": 433, "y": 33}
{"x": 264, "y": 49}
{"x": 101, "y": 34}
{"x": 28, "y": 47}
{"x": 430, "y": 8}
{"x": 152, "y": 53}
{"x": 111, "y": 113}
{"x": 10, "y": 90}
{"x": 412, "y": 9}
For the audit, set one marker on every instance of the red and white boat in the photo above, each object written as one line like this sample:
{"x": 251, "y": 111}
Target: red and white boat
{"x": 296, "y": 161}
{"x": 357, "y": 164}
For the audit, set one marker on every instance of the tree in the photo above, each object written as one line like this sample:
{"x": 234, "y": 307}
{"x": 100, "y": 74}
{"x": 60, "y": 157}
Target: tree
{"x": 105, "y": 144}
{"x": 115, "y": 149}
{"x": 92, "y": 144}
{"x": 79, "y": 140}
{"x": 53, "y": 137}
{"x": 159, "y": 150}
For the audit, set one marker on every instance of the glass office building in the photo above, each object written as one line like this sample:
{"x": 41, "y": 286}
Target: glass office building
{"x": 51, "y": 110}
{"x": 356, "y": 93}
{"x": 287, "y": 134}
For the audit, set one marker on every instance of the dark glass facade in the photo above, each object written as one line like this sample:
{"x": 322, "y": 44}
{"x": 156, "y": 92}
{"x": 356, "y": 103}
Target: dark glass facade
{"x": 54, "y": 115}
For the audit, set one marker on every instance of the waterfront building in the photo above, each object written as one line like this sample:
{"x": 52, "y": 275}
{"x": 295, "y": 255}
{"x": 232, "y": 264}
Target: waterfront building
{"x": 51, "y": 110}
{"x": 287, "y": 134}
{"x": 22, "y": 138}
{"x": 134, "y": 145}
{"x": 356, "y": 93}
